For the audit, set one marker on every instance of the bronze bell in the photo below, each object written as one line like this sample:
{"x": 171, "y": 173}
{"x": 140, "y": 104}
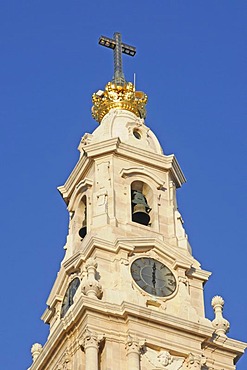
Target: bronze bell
{"x": 141, "y": 209}
{"x": 83, "y": 230}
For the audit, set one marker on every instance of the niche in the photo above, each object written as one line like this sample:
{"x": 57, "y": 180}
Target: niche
{"x": 141, "y": 198}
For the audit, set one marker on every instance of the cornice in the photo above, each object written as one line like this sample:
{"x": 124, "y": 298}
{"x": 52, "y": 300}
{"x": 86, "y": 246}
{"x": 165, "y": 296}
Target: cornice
{"x": 94, "y": 150}
{"x": 126, "y": 172}
{"x": 79, "y": 170}
{"x": 127, "y": 312}
{"x": 225, "y": 343}
{"x": 103, "y": 147}
{"x": 159, "y": 161}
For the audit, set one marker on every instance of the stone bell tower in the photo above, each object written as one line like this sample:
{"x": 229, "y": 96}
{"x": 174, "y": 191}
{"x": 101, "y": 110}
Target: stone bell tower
{"x": 129, "y": 293}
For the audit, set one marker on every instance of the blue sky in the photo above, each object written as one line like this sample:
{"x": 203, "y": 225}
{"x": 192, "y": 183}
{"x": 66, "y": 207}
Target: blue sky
{"x": 191, "y": 61}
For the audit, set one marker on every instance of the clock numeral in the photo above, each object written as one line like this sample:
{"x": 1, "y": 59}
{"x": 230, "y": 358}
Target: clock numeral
{"x": 171, "y": 282}
{"x": 170, "y": 289}
{"x": 135, "y": 271}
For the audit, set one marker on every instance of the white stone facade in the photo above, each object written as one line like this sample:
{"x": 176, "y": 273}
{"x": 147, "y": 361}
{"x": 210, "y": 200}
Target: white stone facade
{"x": 109, "y": 322}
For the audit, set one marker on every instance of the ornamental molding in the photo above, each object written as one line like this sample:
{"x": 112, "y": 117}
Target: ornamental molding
{"x": 80, "y": 188}
{"x": 133, "y": 171}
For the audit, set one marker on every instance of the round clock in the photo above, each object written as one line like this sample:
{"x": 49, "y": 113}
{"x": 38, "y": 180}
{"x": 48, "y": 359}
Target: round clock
{"x": 153, "y": 277}
{"x": 69, "y": 296}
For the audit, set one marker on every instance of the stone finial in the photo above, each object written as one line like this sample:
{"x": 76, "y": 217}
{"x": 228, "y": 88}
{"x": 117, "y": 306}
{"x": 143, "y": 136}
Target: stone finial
{"x": 220, "y": 324}
{"x": 35, "y": 350}
{"x": 90, "y": 286}
{"x": 194, "y": 362}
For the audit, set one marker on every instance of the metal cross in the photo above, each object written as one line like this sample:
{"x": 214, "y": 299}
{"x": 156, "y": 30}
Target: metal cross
{"x": 118, "y": 48}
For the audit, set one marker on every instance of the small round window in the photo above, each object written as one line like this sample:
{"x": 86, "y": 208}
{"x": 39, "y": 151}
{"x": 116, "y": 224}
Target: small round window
{"x": 137, "y": 134}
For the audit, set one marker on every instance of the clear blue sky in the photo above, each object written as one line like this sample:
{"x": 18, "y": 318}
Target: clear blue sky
{"x": 191, "y": 61}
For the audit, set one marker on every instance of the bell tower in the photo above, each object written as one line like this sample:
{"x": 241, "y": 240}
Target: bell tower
{"x": 129, "y": 293}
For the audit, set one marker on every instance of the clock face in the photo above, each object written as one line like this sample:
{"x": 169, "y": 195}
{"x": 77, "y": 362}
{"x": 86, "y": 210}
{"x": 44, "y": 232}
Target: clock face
{"x": 153, "y": 277}
{"x": 69, "y": 296}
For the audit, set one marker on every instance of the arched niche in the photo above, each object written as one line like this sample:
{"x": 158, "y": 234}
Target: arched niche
{"x": 82, "y": 215}
{"x": 141, "y": 202}
{"x": 79, "y": 219}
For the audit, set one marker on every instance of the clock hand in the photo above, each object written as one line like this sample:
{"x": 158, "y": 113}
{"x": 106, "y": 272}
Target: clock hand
{"x": 153, "y": 275}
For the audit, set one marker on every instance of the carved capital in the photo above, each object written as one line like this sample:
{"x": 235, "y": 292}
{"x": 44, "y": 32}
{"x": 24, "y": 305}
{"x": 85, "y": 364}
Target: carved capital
{"x": 194, "y": 362}
{"x": 91, "y": 339}
{"x": 133, "y": 345}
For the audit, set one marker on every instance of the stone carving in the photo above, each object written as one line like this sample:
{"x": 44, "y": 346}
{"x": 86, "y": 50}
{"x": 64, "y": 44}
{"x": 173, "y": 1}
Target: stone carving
{"x": 194, "y": 362}
{"x": 35, "y": 350}
{"x": 133, "y": 345}
{"x": 65, "y": 364}
{"x": 86, "y": 139}
{"x": 220, "y": 324}
{"x": 163, "y": 360}
{"x": 90, "y": 286}
{"x": 91, "y": 339}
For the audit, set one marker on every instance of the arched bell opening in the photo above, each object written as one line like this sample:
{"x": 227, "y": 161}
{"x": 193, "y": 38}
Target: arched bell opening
{"x": 141, "y": 195}
{"x": 83, "y": 213}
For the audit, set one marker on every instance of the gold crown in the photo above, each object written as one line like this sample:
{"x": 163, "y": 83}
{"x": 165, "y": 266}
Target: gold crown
{"x": 118, "y": 97}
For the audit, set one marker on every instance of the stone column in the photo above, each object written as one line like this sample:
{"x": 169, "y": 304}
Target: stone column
{"x": 90, "y": 342}
{"x": 133, "y": 349}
